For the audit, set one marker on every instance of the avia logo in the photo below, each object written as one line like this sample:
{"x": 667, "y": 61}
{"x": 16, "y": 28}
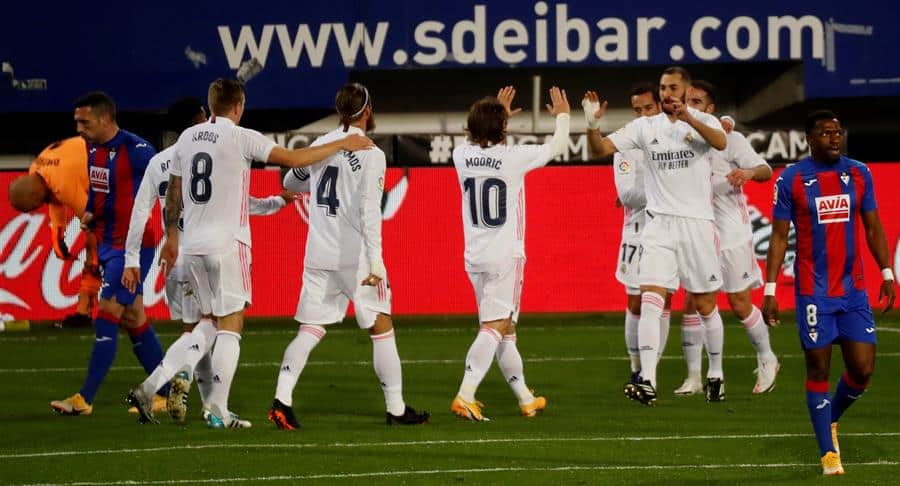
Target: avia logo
{"x": 99, "y": 179}
{"x": 833, "y": 209}
{"x": 825, "y": 403}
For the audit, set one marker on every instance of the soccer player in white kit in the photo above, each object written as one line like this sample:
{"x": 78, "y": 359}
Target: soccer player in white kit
{"x": 628, "y": 171}
{"x": 492, "y": 181}
{"x": 680, "y": 239}
{"x": 734, "y": 166}
{"x": 184, "y": 356}
{"x": 211, "y": 167}
{"x": 344, "y": 263}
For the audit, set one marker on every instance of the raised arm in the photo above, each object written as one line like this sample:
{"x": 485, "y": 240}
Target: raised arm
{"x": 303, "y": 157}
{"x": 714, "y": 135}
{"x": 594, "y": 111}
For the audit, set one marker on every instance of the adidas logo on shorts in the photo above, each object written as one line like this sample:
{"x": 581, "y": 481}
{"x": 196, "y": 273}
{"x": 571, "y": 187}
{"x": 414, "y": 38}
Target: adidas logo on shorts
{"x": 745, "y": 276}
{"x": 712, "y": 278}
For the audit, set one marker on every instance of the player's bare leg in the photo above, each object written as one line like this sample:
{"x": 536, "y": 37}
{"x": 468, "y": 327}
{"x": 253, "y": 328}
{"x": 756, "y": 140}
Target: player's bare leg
{"x": 478, "y": 362}
{"x": 510, "y": 362}
{"x": 714, "y": 334}
{"x": 767, "y": 365}
{"x": 386, "y": 361}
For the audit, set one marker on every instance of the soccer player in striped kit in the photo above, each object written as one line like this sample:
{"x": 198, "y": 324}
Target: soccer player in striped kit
{"x": 117, "y": 160}
{"x": 829, "y": 198}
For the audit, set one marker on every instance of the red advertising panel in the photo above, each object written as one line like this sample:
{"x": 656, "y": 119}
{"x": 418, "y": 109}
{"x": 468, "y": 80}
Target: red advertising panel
{"x": 572, "y": 241}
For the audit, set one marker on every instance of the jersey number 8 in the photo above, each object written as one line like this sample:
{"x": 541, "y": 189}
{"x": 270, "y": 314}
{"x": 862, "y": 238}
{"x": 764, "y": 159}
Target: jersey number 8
{"x": 201, "y": 171}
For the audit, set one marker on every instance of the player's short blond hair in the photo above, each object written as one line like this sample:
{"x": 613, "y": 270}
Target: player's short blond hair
{"x": 224, "y": 95}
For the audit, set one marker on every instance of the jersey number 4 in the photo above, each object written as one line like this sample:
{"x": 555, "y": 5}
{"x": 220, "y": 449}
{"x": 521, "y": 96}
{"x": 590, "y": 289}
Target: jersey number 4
{"x": 326, "y": 191}
{"x": 492, "y": 199}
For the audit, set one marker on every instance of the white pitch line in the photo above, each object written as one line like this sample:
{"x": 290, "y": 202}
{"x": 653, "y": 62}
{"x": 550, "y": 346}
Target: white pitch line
{"x": 431, "y": 472}
{"x": 354, "y": 445}
{"x": 551, "y": 359}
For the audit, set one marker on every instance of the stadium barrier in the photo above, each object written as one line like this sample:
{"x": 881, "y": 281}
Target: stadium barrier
{"x": 573, "y": 233}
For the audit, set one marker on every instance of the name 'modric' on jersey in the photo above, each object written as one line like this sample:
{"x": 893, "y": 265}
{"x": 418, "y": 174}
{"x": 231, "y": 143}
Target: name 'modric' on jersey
{"x": 484, "y": 162}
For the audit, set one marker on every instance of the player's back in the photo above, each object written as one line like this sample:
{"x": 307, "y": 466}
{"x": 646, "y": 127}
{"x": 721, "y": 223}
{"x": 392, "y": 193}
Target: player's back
{"x": 63, "y": 166}
{"x": 492, "y": 182}
{"x": 336, "y": 186}
{"x": 213, "y": 160}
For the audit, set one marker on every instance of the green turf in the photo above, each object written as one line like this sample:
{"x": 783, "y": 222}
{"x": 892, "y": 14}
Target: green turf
{"x": 590, "y": 434}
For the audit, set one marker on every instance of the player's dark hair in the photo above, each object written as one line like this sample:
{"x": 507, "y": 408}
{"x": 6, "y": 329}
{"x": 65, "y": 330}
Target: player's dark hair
{"x": 486, "y": 123}
{"x": 810, "y": 124}
{"x": 642, "y": 88}
{"x": 685, "y": 75}
{"x": 224, "y": 95}
{"x": 350, "y": 102}
{"x": 184, "y": 113}
{"x": 706, "y": 86}
{"x": 99, "y": 102}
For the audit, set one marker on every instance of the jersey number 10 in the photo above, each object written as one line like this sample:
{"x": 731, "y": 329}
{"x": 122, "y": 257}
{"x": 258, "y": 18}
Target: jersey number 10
{"x": 492, "y": 190}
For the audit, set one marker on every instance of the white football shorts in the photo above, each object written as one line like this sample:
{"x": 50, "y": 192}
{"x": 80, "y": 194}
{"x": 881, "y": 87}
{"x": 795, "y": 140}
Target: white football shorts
{"x": 681, "y": 250}
{"x": 221, "y": 282}
{"x": 180, "y": 296}
{"x": 627, "y": 261}
{"x": 740, "y": 269}
{"x": 499, "y": 292}
{"x": 326, "y": 293}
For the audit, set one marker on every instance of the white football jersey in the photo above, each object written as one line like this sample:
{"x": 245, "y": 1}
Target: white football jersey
{"x": 730, "y": 203}
{"x": 677, "y": 180}
{"x": 492, "y": 182}
{"x": 213, "y": 160}
{"x": 628, "y": 171}
{"x": 345, "y": 206}
{"x": 153, "y": 188}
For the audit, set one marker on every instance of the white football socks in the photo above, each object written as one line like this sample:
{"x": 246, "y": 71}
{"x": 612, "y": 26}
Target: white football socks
{"x": 652, "y": 305}
{"x": 692, "y": 344}
{"x": 295, "y": 357}
{"x": 758, "y": 333}
{"x": 510, "y": 362}
{"x": 715, "y": 342}
{"x": 224, "y": 365}
{"x": 665, "y": 321}
{"x": 164, "y": 370}
{"x": 631, "y": 340}
{"x": 478, "y": 361}
{"x": 386, "y": 361}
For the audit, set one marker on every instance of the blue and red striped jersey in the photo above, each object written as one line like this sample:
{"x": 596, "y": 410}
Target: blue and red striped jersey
{"x": 115, "y": 169}
{"x": 825, "y": 201}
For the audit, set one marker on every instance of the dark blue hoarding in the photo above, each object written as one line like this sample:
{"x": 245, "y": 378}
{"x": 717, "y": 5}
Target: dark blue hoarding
{"x": 146, "y": 54}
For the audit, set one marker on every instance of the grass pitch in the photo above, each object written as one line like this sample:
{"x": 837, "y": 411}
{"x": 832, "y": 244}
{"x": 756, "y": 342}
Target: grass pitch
{"x": 589, "y": 434}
